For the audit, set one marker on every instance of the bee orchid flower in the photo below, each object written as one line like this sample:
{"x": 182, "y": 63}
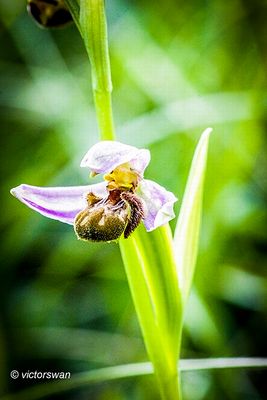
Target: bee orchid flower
{"x": 107, "y": 210}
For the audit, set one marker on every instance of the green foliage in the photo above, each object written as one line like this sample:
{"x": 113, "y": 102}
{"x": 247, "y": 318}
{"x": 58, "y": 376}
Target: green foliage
{"x": 160, "y": 272}
{"x": 186, "y": 235}
{"x": 176, "y": 68}
{"x": 151, "y": 272}
{"x": 128, "y": 371}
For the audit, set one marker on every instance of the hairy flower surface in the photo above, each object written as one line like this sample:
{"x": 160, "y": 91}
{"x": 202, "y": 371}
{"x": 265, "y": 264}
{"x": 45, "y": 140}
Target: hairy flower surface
{"x": 114, "y": 207}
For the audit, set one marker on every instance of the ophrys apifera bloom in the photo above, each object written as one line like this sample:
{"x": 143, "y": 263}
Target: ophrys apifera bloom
{"x": 107, "y": 210}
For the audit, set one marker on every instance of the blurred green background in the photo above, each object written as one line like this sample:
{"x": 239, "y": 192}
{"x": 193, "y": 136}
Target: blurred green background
{"x": 178, "y": 67}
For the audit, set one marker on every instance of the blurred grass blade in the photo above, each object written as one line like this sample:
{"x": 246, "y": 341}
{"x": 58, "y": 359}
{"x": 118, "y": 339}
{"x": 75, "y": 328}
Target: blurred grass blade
{"x": 223, "y": 363}
{"x": 187, "y": 230}
{"x": 84, "y": 379}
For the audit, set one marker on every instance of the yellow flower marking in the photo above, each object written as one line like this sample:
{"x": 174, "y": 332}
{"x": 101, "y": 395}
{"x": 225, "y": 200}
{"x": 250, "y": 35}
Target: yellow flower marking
{"x": 122, "y": 177}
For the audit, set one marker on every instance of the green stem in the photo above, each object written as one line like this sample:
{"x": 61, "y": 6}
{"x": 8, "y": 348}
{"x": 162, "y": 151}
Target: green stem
{"x": 153, "y": 297}
{"x": 94, "y": 28}
{"x": 146, "y": 288}
{"x": 104, "y": 115}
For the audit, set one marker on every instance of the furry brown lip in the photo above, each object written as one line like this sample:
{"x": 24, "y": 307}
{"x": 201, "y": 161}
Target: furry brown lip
{"x": 106, "y": 219}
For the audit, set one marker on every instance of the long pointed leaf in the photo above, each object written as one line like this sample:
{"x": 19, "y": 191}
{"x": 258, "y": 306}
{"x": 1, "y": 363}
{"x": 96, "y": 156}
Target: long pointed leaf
{"x": 186, "y": 235}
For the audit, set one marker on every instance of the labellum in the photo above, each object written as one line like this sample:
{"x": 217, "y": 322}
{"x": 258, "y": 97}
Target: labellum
{"x": 108, "y": 218}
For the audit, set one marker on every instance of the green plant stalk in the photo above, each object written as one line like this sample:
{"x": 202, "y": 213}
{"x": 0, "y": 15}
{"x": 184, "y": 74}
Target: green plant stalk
{"x": 160, "y": 273}
{"x": 153, "y": 300}
{"x": 94, "y": 32}
{"x": 162, "y": 242}
{"x": 158, "y": 340}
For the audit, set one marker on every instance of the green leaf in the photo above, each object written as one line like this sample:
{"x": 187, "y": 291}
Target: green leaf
{"x": 151, "y": 272}
{"x": 75, "y": 11}
{"x": 87, "y": 378}
{"x": 186, "y": 234}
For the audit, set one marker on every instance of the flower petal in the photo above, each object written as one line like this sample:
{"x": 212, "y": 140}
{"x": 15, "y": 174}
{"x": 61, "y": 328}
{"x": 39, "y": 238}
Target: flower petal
{"x": 159, "y": 204}
{"x": 60, "y": 203}
{"x": 105, "y": 156}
